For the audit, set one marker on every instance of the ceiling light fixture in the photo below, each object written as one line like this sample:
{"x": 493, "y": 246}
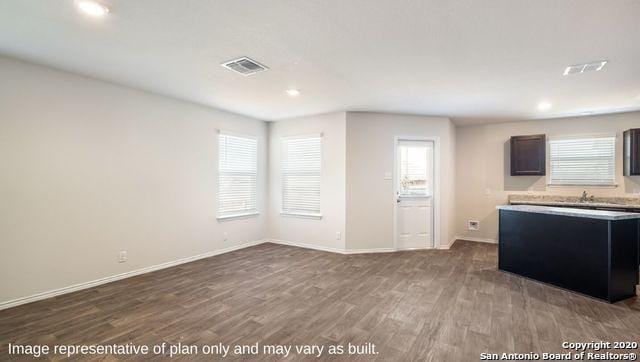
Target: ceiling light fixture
{"x": 543, "y": 106}
{"x": 92, "y": 8}
{"x": 586, "y": 67}
{"x": 293, "y": 92}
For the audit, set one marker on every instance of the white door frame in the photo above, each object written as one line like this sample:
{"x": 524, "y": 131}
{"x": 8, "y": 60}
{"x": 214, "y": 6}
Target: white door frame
{"x": 436, "y": 187}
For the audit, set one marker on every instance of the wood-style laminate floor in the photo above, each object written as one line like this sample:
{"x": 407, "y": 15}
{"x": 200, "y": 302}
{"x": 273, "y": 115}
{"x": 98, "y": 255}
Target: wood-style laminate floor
{"x": 440, "y": 305}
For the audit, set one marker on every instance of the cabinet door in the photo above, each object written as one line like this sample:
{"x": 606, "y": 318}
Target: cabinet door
{"x": 631, "y": 152}
{"x": 528, "y": 155}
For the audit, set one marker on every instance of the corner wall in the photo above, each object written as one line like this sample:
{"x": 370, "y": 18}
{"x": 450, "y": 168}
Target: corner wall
{"x": 89, "y": 168}
{"x": 318, "y": 234}
{"x": 484, "y": 180}
{"x": 370, "y": 154}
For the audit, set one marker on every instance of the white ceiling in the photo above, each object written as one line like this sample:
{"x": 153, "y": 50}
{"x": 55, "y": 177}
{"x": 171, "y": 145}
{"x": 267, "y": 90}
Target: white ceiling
{"x": 476, "y": 61}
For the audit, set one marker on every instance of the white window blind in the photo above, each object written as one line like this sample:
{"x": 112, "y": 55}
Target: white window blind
{"x": 301, "y": 176}
{"x": 237, "y": 176}
{"x": 583, "y": 161}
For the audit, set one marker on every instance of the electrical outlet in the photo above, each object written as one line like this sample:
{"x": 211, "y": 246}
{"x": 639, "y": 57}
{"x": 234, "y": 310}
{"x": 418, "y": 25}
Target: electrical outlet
{"x": 473, "y": 225}
{"x": 387, "y": 176}
{"x": 487, "y": 192}
{"x": 122, "y": 256}
{"x": 225, "y": 236}
{"x": 338, "y": 235}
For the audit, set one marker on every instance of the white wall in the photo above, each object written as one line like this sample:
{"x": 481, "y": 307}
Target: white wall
{"x": 483, "y": 166}
{"x": 310, "y": 232}
{"x": 88, "y": 168}
{"x": 370, "y": 154}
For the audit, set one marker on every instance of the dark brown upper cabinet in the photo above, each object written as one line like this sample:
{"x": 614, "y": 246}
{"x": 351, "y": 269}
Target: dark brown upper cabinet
{"x": 631, "y": 152}
{"x": 529, "y": 155}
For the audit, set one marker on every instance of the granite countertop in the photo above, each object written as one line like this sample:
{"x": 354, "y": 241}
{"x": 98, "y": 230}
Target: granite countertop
{"x": 569, "y": 203}
{"x": 557, "y": 200}
{"x": 565, "y": 211}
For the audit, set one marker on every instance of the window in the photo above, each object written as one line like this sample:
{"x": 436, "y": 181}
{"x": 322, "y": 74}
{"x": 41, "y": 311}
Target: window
{"x": 237, "y": 176}
{"x": 414, "y": 164}
{"x": 301, "y": 176}
{"x": 583, "y": 161}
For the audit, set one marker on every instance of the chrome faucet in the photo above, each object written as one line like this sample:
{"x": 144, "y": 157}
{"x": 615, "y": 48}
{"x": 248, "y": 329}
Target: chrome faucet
{"x": 585, "y": 197}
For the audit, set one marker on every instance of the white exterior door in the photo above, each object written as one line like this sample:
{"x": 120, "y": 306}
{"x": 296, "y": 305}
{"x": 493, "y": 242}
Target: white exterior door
{"x": 414, "y": 223}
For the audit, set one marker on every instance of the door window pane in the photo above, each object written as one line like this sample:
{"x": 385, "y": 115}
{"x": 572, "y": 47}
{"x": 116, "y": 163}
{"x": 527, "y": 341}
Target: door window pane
{"x": 414, "y": 168}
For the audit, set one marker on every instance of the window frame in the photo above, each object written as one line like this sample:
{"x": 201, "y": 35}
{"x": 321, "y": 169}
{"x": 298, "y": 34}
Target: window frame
{"x": 284, "y": 149}
{"x": 591, "y": 183}
{"x": 246, "y": 213}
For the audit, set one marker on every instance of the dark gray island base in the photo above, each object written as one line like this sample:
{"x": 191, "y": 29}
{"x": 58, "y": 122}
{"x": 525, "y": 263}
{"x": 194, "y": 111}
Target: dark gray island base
{"x": 587, "y": 251}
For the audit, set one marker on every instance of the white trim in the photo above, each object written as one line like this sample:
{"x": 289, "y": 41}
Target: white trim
{"x": 448, "y": 246}
{"x": 606, "y": 186}
{"x": 331, "y": 249}
{"x": 307, "y": 246}
{"x": 237, "y": 134}
{"x": 238, "y": 216}
{"x": 478, "y": 240}
{"x": 369, "y": 251}
{"x": 113, "y": 278}
{"x": 301, "y": 215}
{"x": 415, "y": 248}
{"x": 414, "y": 196}
{"x": 436, "y": 187}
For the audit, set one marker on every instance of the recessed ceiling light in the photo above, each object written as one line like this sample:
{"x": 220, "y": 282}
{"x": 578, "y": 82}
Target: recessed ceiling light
{"x": 92, "y": 8}
{"x": 293, "y": 92}
{"x": 543, "y": 106}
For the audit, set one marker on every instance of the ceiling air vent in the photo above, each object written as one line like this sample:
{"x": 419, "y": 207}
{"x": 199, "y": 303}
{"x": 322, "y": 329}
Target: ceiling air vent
{"x": 587, "y": 67}
{"x": 245, "y": 66}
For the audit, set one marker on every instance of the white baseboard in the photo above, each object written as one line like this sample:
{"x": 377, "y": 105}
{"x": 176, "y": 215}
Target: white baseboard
{"x": 332, "y": 250}
{"x": 369, "y": 251}
{"x": 112, "y": 278}
{"x": 478, "y": 240}
{"x": 306, "y": 246}
{"x": 450, "y": 244}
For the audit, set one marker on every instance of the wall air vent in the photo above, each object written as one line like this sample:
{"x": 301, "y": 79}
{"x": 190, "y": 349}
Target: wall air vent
{"x": 245, "y": 66}
{"x": 586, "y": 67}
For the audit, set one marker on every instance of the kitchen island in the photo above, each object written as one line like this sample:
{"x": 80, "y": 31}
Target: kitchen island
{"x": 592, "y": 252}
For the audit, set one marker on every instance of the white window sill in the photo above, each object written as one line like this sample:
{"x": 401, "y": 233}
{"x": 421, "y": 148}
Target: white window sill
{"x": 238, "y": 216}
{"x": 584, "y": 186}
{"x": 409, "y": 196}
{"x": 301, "y": 215}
